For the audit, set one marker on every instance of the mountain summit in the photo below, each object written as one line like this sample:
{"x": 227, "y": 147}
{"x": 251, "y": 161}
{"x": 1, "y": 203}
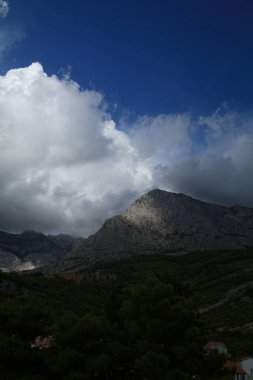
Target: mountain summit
{"x": 165, "y": 223}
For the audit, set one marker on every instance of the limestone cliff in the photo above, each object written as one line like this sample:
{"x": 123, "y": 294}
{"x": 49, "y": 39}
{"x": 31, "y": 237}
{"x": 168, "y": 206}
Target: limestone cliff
{"x": 165, "y": 223}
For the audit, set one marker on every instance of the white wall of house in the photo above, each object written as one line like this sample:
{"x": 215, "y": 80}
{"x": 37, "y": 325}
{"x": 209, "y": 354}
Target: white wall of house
{"x": 221, "y": 348}
{"x": 247, "y": 365}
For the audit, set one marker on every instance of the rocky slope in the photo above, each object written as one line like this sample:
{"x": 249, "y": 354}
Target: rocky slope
{"x": 165, "y": 223}
{"x": 32, "y": 249}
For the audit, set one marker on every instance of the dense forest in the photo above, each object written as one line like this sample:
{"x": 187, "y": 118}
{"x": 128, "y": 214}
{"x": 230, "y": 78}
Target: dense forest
{"x": 129, "y": 323}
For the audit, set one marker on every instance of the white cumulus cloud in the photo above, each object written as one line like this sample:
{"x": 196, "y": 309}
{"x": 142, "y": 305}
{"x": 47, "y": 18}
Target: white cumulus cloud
{"x": 64, "y": 164}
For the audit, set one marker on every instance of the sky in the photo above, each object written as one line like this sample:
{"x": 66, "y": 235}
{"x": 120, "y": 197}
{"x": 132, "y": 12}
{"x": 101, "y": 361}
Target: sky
{"x": 101, "y": 101}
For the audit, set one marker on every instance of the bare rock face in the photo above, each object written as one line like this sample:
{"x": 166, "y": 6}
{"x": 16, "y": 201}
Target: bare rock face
{"x": 32, "y": 249}
{"x": 164, "y": 223}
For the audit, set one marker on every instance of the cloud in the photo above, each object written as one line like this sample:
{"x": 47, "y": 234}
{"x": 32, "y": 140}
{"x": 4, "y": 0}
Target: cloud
{"x": 4, "y": 8}
{"x": 161, "y": 138}
{"x": 9, "y": 36}
{"x": 66, "y": 166}
{"x": 222, "y": 171}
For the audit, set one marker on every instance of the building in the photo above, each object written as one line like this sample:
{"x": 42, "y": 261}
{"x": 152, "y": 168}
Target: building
{"x": 247, "y": 365}
{"x": 215, "y": 346}
{"x": 239, "y": 373}
{"x": 43, "y": 342}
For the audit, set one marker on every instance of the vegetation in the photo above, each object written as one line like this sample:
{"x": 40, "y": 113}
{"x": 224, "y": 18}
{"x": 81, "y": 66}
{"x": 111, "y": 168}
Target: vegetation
{"x": 138, "y": 320}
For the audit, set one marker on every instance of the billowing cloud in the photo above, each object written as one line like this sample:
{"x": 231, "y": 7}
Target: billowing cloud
{"x": 4, "y": 8}
{"x": 66, "y": 166}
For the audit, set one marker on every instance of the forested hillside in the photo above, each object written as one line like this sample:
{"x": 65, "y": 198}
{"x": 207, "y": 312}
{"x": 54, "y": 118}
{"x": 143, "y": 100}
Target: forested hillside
{"x": 143, "y": 318}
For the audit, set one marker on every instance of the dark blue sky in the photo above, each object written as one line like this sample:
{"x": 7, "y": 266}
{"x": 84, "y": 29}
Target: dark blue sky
{"x": 148, "y": 56}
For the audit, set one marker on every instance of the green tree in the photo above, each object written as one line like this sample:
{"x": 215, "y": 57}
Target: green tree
{"x": 162, "y": 328}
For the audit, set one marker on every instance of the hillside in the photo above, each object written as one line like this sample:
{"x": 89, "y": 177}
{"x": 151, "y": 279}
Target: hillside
{"x": 74, "y": 308}
{"x": 32, "y": 249}
{"x": 164, "y": 223}
{"x": 159, "y": 222}
{"x": 216, "y": 281}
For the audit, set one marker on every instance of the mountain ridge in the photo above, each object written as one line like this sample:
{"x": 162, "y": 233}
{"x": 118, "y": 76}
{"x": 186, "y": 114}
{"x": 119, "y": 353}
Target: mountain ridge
{"x": 165, "y": 223}
{"x": 31, "y": 249}
{"x": 158, "y": 222}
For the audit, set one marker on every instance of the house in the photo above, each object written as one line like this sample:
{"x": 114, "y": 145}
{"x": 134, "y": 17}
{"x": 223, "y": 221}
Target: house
{"x": 215, "y": 346}
{"x": 247, "y": 365}
{"x": 239, "y": 373}
{"x": 43, "y": 342}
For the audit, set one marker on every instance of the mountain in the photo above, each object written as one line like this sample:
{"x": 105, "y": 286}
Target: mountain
{"x": 165, "y": 223}
{"x": 32, "y": 249}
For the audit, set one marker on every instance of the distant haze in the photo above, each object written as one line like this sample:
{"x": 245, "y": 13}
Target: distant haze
{"x": 66, "y": 165}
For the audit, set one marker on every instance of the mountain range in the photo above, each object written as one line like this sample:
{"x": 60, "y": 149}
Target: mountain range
{"x": 32, "y": 249}
{"x": 158, "y": 222}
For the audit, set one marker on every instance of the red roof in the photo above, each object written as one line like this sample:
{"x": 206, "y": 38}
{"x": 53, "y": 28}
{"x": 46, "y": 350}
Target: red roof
{"x": 214, "y": 345}
{"x": 234, "y": 366}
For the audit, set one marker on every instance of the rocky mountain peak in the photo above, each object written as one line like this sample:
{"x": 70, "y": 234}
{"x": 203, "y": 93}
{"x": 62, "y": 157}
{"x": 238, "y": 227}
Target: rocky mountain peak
{"x": 158, "y": 222}
{"x": 165, "y": 223}
{"x": 159, "y": 207}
